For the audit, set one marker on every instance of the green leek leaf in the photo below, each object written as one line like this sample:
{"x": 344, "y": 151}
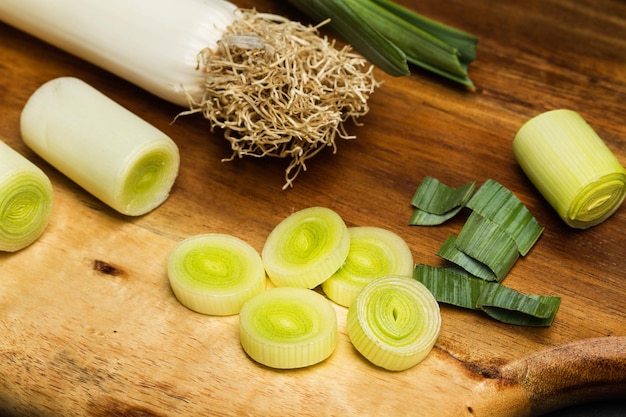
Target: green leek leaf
{"x": 435, "y": 202}
{"x": 450, "y": 285}
{"x": 452, "y": 253}
{"x": 500, "y": 205}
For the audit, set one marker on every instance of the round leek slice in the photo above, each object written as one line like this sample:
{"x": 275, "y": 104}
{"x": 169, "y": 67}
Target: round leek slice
{"x": 394, "y": 322}
{"x": 215, "y": 274}
{"x": 26, "y": 198}
{"x": 571, "y": 167}
{"x": 374, "y": 253}
{"x": 306, "y": 248}
{"x": 286, "y": 328}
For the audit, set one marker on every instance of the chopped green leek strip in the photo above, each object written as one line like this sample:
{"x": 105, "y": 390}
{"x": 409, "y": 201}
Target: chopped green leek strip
{"x": 435, "y": 202}
{"x": 485, "y": 241}
{"x": 306, "y": 248}
{"x": 379, "y": 29}
{"x": 26, "y": 199}
{"x": 394, "y": 322}
{"x": 571, "y": 167}
{"x": 500, "y": 205}
{"x": 452, "y": 253}
{"x": 374, "y": 253}
{"x": 456, "y": 287}
{"x": 215, "y": 274}
{"x": 288, "y": 328}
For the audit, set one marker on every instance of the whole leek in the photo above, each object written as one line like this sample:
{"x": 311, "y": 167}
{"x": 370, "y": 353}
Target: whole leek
{"x": 112, "y": 153}
{"x": 26, "y": 200}
{"x": 571, "y": 167}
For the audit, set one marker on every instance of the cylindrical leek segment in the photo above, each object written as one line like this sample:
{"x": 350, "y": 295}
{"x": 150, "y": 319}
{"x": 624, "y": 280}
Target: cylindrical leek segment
{"x": 103, "y": 147}
{"x": 571, "y": 167}
{"x": 374, "y": 253}
{"x": 215, "y": 274}
{"x": 26, "y": 199}
{"x": 306, "y": 248}
{"x": 394, "y": 322}
{"x": 288, "y": 328}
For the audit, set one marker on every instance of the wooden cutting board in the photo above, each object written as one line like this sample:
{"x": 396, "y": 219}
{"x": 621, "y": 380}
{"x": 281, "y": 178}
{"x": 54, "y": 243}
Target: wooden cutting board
{"x": 91, "y": 327}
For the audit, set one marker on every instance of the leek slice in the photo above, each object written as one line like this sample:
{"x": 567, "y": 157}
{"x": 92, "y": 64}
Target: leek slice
{"x": 456, "y": 287}
{"x": 288, "y": 328}
{"x": 112, "y": 153}
{"x": 394, "y": 322}
{"x": 571, "y": 167}
{"x": 500, "y": 205}
{"x": 374, "y": 253}
{"x": 435, "y": 202}
{"x": 485, "y": 241}
{"x": 215, "y": 274}
{"x": 306, "y": 248}
{"x": 26, "y": 199}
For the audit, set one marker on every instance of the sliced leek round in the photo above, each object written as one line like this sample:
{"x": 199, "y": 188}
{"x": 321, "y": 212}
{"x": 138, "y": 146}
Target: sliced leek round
{"x": 571, "y": 167}
{"x": 215, "y": 274}
{"x": 394, "y": 322}
{"x": 374, "y": 253}
{"x": 306, "y": 248}
{"x": 286, "y": 328}
{"x": 26, "y": 199}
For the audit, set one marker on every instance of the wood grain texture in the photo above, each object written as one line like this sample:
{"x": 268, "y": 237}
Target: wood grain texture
{"x": 89, "y": 323}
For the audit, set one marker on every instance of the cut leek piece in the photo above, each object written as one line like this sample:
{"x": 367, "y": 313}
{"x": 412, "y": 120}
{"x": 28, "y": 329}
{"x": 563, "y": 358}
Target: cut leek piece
{"x": 571, "y": 167}
{"x": 450, "y": 285}
{"x": 306, "y": 248}
{"x": 435, "y": 202}
{"x": 374, "y": 253}
{"x": 288, "y": 328}
{"x": 215, "y": 273}
{"x": 485, "y": 241}
{"x": 394, "y": 322}
{"x": 509, "y": 306}
{"x": 26, "y": 199}
{"x": 112, "y": 153}
{"x": 378, "y": 29}
{"x": 500, "y": 205}
{"x": 452, "y": 253}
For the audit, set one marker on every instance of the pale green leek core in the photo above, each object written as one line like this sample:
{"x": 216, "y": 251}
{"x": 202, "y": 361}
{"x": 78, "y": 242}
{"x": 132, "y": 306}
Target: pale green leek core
{"x": 571, "y": 167}
{"x": 288, "y": 328}
{"x": 215, "y": 274}
{"x": 112, "y": 153}
{"x": 26, "y": 199}
{"x": 394, "y": 322}
{"x": 374, "y": 253}
{"x": 306, "y": 248}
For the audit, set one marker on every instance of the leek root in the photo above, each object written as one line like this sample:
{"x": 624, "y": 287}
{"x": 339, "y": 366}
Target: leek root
{"x": 26, "y": 200}
{"x": 118, "y": 157}
{"x": 571, "y": 167}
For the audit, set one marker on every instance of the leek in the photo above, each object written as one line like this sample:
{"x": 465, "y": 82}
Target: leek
{"x": 394, "y": 322}
{"x": 26, "y": 200}
{"x": 571, "y": 166}
{"x": 391, "y": 36}
{"x": 288, "y": 328}
{"x": 435, "y": 202}
{"x": 374, "y": 253}
{"x": 112, "y": 153}
{"x": 273, "y": 86}
{"x": 215, "y": 274}
{"x": 306, "y": 248}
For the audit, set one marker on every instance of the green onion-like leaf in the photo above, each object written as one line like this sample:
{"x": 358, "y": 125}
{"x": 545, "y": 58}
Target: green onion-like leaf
{"x": 380, "y": 29}
{"x": 495, "y": 202}
{"x": 509, "y": 306}
{"x": 450, "y": 285}
{"x": 452, "y": 253}
{"x": 485, "y": 241}
{"x": 435, "y": 202}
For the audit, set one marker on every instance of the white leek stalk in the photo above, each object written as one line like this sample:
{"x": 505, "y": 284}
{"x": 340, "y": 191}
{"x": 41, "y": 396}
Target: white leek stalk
{"x": 26, "y": 199}
{"x": 288, "y": 328}
{"x": 394, "y": 322}
{"x": 109, "y": 151}
{"x": 571, "y": 166}
{"x": 215, "y": 274}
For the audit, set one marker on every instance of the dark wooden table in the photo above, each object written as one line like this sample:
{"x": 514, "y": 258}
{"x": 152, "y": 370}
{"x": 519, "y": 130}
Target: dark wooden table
{"x": 79, "y": 341}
